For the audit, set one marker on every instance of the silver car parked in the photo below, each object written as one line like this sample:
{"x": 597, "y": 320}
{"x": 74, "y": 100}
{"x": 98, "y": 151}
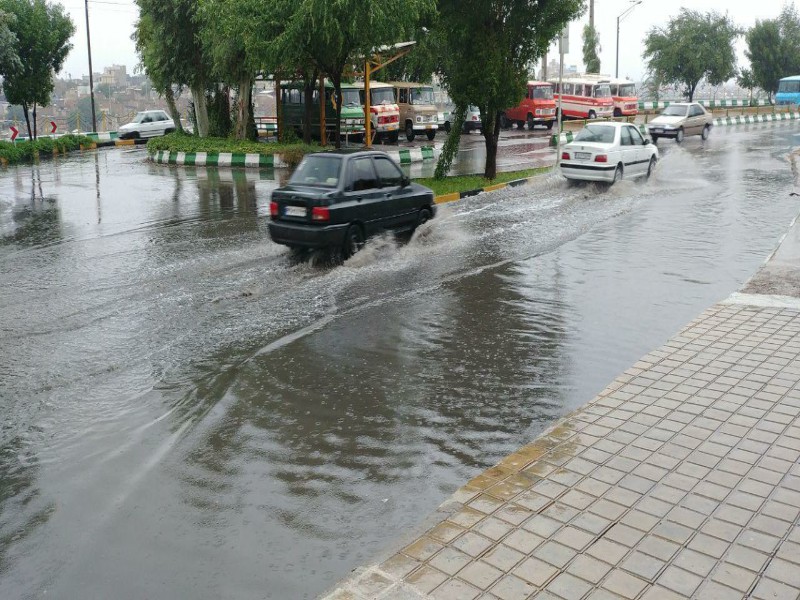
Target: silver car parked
{"x": 681, "y": 119}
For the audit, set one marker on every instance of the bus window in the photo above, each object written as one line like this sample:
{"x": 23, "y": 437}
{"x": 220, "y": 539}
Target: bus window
{"x": 587, "y": 91}
{"x": 789, "y": 87}
{"x": 403, "y": 96}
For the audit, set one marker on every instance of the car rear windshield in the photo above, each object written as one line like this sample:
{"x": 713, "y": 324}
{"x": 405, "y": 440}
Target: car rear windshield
{"x": 675, "y": 111}
{"x": 382, "y": 96}
{"x": 603, "y": 134}
{"x": 542, "y": 92}
{"x": 318, "y": 170}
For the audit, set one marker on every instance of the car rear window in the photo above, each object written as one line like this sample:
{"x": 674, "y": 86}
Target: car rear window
{"x": 675, "y": 111}
{"x": 603, "y": 134}
{"x": 318, "y": 170}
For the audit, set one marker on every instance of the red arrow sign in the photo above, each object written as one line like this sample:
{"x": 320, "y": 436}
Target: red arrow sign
{"x": 53, "y": 125}
{"x": 14, "y": 133}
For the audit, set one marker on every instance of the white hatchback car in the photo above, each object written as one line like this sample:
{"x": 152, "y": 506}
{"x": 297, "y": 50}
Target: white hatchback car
{"x": 148, "y": 123}
{"x": 608, "y": 152}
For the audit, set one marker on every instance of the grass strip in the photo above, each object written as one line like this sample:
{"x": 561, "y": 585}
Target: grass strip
{"x": 465, "y": 183}
{"x": 28, "y": 151}
{"x": 181, "y": 142}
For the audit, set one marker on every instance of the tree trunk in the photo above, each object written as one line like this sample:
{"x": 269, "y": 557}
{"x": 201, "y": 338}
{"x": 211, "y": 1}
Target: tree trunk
{"x": 27, "y": 119}
{"x": 169, "y": 96}
{"x": 35, "y": 129}
{"x": 308, "y": 106}
{"x": 243, "y": 106}
{"x": 491, "y": 133}
{"x": 337, "y": 99}
{"x": 200, "y": 111}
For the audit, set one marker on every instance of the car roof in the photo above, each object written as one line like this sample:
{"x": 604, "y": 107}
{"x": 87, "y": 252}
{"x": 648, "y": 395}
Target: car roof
{"x": 616, "y": 124}
{"x": 349, "y": 152}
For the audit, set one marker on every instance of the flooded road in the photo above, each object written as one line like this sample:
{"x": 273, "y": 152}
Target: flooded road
{"x": 187, "y": 411}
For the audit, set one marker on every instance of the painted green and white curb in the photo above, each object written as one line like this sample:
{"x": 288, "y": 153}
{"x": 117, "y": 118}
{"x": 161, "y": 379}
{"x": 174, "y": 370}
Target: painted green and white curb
{"x": 752, "y": 119}
{"x": 405, "y": 156}
{"x": 707, "y": 103}
{"x": 102, "y": 137}
{"x": 566, "y": 138}
{"x": 219, "y": 159}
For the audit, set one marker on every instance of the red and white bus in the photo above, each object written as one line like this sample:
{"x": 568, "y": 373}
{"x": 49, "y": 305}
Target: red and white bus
{"x": 536, "y": 108}
{"x": 623, "y": 92}
{"x": 584, "y": 97}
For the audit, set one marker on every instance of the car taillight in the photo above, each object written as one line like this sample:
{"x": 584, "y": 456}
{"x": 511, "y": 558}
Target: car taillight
{"x": 373, "y": 110}
{"x": 474, "y": 117}
{"x": 565, "y": 156}
{"x": 273, "y": 209}
{"x": 601, "y": 158}
{"x": 320, "y": 213}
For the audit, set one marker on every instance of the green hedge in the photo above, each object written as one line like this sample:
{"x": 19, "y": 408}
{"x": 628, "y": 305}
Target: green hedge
{"x": 181, "y": 142}
{"x": 28, "y": 151}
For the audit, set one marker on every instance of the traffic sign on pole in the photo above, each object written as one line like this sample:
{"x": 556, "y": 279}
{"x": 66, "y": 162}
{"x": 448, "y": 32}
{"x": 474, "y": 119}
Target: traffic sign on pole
{"x": 53, "y": 126}
{"x": 14, "y": 133}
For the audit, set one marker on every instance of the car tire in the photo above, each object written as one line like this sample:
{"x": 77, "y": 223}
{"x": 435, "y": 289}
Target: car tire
{"x": 393, "y": 136}
{"x": 521, "y": 124}
{"x": 423, "y": 216}
{"x": 353, "y": 241}
{"x": 169, "y": 130}
{"x": 617, "y": 113}
{"x": 410, "y": 135}
{"x": 134, "y": 135}
{"x": 618, "y": 174}
{"x": 529, "y": 122}
{"x": 549, "y": 125}
{"x": 706, "y": 131}
{"x": 654, "y": 138}
{"x": 679, "y": 135}
{"x": 592, "y": 115}
{"x": 430, "y": 134}
{"x": 651, "y": 166}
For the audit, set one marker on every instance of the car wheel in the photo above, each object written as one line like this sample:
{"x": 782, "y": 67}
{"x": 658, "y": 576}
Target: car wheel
{"x": 394, "y": 136}
{"x": 353, "y": 241}
{"x": 549, "y": 125}
{"x": 430, "y": 134}
{"x": 654, "y": 138}
{"x": 592, "y": 115}
{"x": 410, "y": 135}
{"x": 133, "y": 135}
{"x": 530, "y": 122}
{"x": 651, "y": 166}
{"x": 423, "y": 216}
{"x": 706, "y": 131}
{"x": 447, "y": 126}
{"x": 679, "y": 135}
{"x": 617, "y": 113}
{"x": 521, "y": 124}
{"x": 617, "y": 174}
{"x": 169, "y": 130}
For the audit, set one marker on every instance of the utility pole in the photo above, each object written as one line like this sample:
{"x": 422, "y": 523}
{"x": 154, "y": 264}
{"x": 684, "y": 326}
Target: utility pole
{"x": 591, "y": 14}
{"x": 91, "y": 75}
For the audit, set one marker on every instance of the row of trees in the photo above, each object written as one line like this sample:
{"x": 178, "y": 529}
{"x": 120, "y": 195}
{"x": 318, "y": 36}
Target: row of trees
{"x": 34, "y": 42}
{"x": 480, "y": 49}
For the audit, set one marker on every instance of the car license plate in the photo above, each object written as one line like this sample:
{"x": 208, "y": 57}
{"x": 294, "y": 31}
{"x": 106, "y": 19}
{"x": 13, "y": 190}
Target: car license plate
{"x": 428, "y": 126}
{"x": 583, "y": 155}
{"x": 295, "y": 211}
{"x": 393, "y": 126}
{"x": 658, "y": 131}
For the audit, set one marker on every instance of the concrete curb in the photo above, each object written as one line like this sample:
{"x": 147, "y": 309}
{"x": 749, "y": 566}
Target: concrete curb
{"x": 403, "y": 156}
{"x": 102, "y": 137}
{"x": 445, "y": 198}
{"x": 706, "y": 103}
{"x": 752, "y": 119}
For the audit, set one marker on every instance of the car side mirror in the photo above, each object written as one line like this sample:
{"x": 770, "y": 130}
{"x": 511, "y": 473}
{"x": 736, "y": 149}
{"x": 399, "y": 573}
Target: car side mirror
{"x": 646, "y": 141}
{"x": 405, "y": 181}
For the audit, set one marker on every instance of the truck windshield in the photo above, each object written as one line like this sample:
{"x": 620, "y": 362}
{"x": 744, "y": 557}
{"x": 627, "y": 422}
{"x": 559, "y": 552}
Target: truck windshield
{"x": 627, "y": 90}
{"x": 382, "y": 96}
{"x": 421, "y": 96}
{"x": 602, "y": 91}
{"x": 350, "y": 97}
{"x": 318, "y": 170}
{"x": 543, "y": 92}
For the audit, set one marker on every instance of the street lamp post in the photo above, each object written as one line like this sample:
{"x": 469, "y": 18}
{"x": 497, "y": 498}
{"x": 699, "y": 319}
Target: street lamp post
{"x": 619, "y": 18}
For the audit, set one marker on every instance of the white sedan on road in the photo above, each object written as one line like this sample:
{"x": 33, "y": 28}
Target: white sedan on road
{"x": 148, "y": 123}
{"x": 608, "y": 152}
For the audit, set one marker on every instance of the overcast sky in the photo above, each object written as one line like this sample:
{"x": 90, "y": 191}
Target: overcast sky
{"x": 112, "y": 22}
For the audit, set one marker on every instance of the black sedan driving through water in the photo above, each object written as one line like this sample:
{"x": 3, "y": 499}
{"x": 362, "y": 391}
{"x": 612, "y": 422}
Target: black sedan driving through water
{"x": 338, "y": 199}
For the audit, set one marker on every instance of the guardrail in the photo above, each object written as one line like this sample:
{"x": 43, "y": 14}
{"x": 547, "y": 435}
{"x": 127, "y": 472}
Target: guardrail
{"x": 732, "y": 103}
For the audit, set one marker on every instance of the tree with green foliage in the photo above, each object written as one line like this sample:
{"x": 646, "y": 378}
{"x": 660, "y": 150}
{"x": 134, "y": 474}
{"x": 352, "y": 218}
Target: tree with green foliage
{"x": 168, "y": 40}
{"x": 746, "y": 81}
{"x": 9, "y": 60}
{"x": 773, "y": 49}
{"x": 591, "y": 49}
{"x": 691, "y": 47}
{"x": 338, "y": 35}
{"x": 43, "y": 32}
{"x": 489, "y": 46}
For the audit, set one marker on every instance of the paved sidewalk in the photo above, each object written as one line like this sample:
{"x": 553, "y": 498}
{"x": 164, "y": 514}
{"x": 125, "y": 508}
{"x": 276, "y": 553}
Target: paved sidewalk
{"x": 680, "y": 480}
